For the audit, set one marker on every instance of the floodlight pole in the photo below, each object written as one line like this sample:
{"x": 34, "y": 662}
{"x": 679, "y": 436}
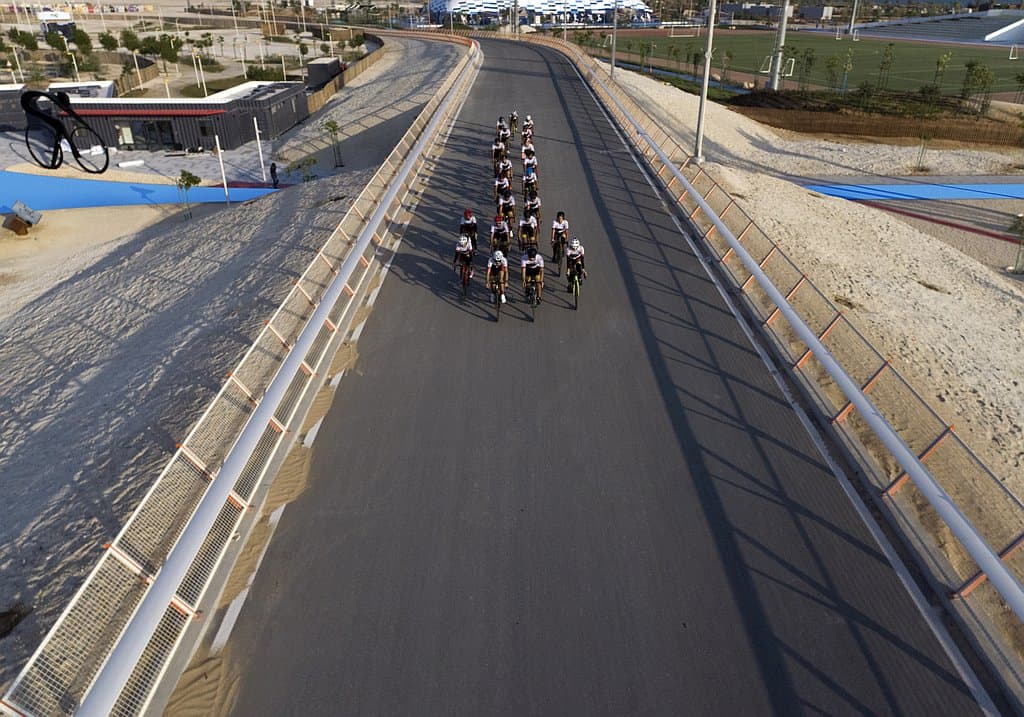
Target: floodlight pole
{"x": 259, "y": 149}
{"x": 698, "y": 151}
{"x": 780, "y": 44}
{"x": 853, "y": 16}
{"x": 223, "y": 176}
{"x": 615, "y": 34}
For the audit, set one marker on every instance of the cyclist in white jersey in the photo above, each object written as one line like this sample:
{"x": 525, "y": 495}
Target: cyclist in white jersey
{"x": 532, "y": 265}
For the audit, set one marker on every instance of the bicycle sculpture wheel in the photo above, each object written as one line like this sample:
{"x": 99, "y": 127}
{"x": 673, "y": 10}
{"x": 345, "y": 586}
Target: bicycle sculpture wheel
{"x": 48, "y": 139}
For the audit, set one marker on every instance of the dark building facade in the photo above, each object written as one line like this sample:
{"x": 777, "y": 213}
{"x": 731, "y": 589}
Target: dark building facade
{"x": 180, "y": 124}
{"x": 184, "y": 124}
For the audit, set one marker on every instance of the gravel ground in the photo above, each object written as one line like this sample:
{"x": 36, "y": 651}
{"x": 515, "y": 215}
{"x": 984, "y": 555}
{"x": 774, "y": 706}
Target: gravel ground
{"x": 148, "y": 326}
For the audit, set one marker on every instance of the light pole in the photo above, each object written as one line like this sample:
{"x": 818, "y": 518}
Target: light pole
{"x": 615, "y": 35}
{"x": 74, "y": 62}
{"x": 698, "y": 151}
{"x": 780, "y": 44}
{"x": 17, "y": 63}
{"x": 138, "y": 73}
{"x": 10, "y": 68}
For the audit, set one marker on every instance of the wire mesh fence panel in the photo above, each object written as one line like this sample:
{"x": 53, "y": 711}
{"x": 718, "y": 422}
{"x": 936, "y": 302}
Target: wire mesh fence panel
{"x": 147, "y": 671}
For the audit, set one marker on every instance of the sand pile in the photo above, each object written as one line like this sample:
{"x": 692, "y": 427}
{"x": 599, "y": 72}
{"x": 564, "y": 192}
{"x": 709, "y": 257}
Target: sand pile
{"x": 953, "y": 326}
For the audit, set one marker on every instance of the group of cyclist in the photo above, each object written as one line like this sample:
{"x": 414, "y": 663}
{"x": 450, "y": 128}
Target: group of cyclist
{"x": 532, "y": 262}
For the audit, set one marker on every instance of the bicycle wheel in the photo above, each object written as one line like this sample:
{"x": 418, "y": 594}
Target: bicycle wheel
{"x": 44, "y": 145}
{"x": 497, "y": 305}
{"x": 575, "y": 293}
{"x": 90, "y": 150}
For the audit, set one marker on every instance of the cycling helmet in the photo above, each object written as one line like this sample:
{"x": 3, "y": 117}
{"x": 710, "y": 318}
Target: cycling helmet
{"x": 574, "y": 244}
{"x": 468, "y": 213}
{"x": 533, "y": 194}
{"x": 531, "y": 252}
{"x": 529, "y": 171}
{"x": 529, "y": 119}
{"x": 463, "y": 242}
{"x": 507, "y": 194}
{"x": 497, "y": 219}
{"x": 560, "y": 215}
{"x": 497, "y": 257}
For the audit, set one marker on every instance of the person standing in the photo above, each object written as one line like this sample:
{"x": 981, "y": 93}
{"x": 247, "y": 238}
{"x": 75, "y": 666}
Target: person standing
{"x": 273, "y": 173}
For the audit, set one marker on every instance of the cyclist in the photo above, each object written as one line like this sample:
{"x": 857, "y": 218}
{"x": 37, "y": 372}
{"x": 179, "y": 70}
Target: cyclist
{"x": 528, "y": 124}
{"x": 529, "y": 182}
{"x": 574, "y": 262}
{"x": 500, "y": 125}
{"x": 530, "y": 162}
{"x": 505, "y": 168}
{"x": 463, "y": 255}
{"x": 527, "y": 232}
{"x": 513, "y": 122}
{"x": 500, "y": 231}
{"x": 531, "y": 207}
{"x": 528, "y": 148}
{"x": 497, "y": 275}
{"x": 497, "y": 151}
{"x": 559, "y": 231}
{"x": 467, "y": 227}
{"x": 532, "y": 265}
{"x": 507, "y": 205}
{"x": 503, "y": 134}
{"x": 501, "y": 184}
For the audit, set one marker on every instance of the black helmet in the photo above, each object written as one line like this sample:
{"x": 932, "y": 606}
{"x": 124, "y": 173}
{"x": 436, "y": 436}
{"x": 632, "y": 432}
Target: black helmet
{"x": 533, "y": 194}
{"x": 531, "y": 252}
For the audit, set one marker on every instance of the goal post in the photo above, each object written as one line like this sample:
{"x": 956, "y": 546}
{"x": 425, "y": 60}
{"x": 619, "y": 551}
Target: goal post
{"x": 856, "y": 35}
{"x": 789, "y": 68}
{"x": 1014, "y": 52}
{"x": 766, "y": 65}
{"x": 684, "y": 31}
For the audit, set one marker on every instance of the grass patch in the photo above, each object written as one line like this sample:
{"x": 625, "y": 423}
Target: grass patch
{"x": 716, "y": 94}
{"x": 212, "y": 86}
{"x": 914, "y": 63}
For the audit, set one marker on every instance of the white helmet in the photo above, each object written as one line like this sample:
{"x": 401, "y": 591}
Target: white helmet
{"x": 498, "y": 257}
{"x": 463, "y": 242}
{"x": 574, "y": 244}
{"x": 529, "y": 118}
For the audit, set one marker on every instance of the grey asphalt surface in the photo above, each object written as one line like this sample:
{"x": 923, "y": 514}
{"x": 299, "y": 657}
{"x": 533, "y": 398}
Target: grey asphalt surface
{"x": 605, "y": 512}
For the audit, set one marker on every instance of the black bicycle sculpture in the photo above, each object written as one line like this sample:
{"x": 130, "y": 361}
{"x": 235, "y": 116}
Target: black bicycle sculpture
{"x": 46, "y": 136}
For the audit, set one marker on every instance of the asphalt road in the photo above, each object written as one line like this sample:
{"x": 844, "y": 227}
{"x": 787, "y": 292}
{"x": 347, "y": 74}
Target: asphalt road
{"x": 604, "y": 512}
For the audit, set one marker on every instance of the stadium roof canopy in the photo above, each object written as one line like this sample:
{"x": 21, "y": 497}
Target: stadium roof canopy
{"x": 540, "y": 7}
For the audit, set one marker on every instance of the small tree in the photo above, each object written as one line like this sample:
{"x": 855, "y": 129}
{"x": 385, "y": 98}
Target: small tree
{"x": 832, "y": 64}
{"x": 806, "y": 62}
{"x": 55, "y": 40}
{"x": 940, "y": 66}
{"x": 82, "y": 41}
{"x": 186, "y": 180}
{"x": 303, "y": 49}
{"x": 727, "y": 58}
{"x": 885, "y": 66}
{"x": 1019, "y": 79}
{"x": 130, "y": 40}
{"x": 920, "y": 155}
{"x": 325, "y": 49}
{"x": 334, "y": 129}
{"x": 108, "y": 42}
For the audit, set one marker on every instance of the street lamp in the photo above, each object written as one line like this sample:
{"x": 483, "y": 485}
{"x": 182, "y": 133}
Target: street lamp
{"x": 615, "y": 35}
{"x": 698, "y": 151}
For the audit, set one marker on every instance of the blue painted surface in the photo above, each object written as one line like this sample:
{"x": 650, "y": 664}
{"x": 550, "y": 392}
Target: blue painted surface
{"x": 917, "y": 192}
{"x": 46, "y": 193}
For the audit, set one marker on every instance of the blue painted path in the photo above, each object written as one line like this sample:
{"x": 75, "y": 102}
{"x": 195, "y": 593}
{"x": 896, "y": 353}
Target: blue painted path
{"x": 47, "y": 193}
{"x": 916, "y": 192}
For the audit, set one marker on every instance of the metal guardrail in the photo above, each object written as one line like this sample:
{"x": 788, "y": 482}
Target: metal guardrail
{"x": 894, "y": 433}
{"x": 109, "y": 648}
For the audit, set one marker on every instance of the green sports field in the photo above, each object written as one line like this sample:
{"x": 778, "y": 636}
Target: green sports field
{"x": 914, "y": 63}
